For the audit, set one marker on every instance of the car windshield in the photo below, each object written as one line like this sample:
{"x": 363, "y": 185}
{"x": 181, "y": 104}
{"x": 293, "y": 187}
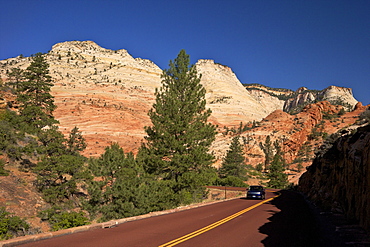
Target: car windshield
{"x": 255, "y": 188}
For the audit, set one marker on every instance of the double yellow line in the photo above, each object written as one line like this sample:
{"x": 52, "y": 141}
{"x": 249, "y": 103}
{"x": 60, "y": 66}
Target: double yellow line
{"x": 214, "y": 225}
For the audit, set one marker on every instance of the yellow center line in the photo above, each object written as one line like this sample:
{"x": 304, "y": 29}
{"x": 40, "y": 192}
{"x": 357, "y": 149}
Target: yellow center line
{"x": 214, "y": 225}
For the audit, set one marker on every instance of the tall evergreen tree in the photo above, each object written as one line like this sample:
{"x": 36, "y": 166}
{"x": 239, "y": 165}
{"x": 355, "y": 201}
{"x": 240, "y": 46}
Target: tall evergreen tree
{"x": 15, "y": 77}
{"x": 110, "y": 194}
{"x": 76, "y": 142}
{"x": 33, "y": 94}
{"x": 278, "y": 179}
{"x": 61, "y": 168}
{"x": 267, "y": 149}
{"x": 233, "y": 164}
{"x": 178, "y": 142}
{"x": 121, "y": 189}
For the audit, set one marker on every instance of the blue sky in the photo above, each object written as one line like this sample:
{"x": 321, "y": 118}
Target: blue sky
{"x": 278, "y": 43}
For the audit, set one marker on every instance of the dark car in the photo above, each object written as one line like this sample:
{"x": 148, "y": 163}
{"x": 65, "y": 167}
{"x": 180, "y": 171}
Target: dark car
{"x": 256, "y": 191}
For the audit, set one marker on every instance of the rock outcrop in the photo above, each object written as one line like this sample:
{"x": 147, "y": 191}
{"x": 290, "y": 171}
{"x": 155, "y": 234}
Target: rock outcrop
{"x": 299, "y": 135}
{"x": 334, "y": 94}
{"x": 339, "y": 177}
{"x": 302, "y": 97}
{"x": 229, "y": 101}
{"x": 271, "y": 98}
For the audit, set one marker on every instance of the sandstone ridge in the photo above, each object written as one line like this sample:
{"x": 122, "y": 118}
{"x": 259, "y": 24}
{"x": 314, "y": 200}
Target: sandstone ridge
{"x": 107, "y": 94}
{"x": 334, "y": 94}
{"x": 294, "y": 101}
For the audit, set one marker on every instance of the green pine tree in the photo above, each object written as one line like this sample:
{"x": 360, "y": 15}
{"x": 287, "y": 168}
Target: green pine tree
{"x": 118, "y": 178}
{"x": 61, "y": 168}
{"x": 267, "y": 149}
{"x": 278, "y": 179}
{"x": 233, "y": 163}
{"x": 15, "y": 78}
{"x": 76, "y": 142}
{"x": 33, "y": 94}
{"x": 178, "y": 142}
{"x": 9, "y": 134}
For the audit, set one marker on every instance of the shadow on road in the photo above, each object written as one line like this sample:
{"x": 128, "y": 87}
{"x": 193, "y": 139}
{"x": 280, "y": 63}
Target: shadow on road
{"x": 293, "y": 224}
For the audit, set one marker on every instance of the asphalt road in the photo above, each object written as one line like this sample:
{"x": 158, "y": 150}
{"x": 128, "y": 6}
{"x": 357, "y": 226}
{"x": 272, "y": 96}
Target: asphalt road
{"x": 282, "y": 221}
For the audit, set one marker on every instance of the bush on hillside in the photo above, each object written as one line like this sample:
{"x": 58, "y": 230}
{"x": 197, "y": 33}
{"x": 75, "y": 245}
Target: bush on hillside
{"x": 11, "y": 226}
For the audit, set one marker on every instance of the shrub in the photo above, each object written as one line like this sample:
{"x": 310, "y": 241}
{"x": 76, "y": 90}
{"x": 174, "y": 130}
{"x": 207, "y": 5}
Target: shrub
{"x": 365, "y": 115}
{"x": 11, "y": 226}
{"x": 231, "y": 181}
{"x": 3, "y": 172}
{"x": 63, "y": 220}
{"x": 259, "y": 167}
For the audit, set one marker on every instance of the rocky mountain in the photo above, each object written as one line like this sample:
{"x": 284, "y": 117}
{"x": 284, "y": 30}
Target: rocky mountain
{"x": 299, "y": 135}
{"x": 294, "y": 101}
{"x": 107, "y": 93}
{"x": 333, "y": 94}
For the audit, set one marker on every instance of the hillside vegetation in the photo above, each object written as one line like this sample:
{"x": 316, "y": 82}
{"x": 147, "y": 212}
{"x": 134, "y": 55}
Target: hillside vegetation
{"x": 50, "y": 181}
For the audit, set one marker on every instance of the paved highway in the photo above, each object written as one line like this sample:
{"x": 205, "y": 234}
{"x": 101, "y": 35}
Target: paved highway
{"x": 277, "y": 221}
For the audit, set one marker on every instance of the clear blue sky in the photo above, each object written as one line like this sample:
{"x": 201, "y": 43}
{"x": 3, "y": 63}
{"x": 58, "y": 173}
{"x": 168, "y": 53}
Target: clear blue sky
{"x": 278, "y": 43}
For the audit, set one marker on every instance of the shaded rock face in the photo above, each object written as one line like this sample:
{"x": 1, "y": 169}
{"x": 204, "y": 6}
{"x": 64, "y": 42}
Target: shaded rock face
{"x": 302, "y": 97}
{"x": 291, "y": 101}
{"x": 339, "y": 177}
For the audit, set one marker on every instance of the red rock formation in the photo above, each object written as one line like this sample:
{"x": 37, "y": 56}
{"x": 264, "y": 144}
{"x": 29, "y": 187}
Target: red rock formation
{"x": 294, "y": 131}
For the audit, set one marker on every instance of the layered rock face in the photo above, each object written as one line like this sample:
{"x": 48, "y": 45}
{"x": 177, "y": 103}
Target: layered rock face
{"x": 302, "y": 97}
{"x": 332, "y": 94}
{"x": 339, "y": 177}
{"x": 294, "y": 133}
{"x": 85, "y": 61}
{"x": 107, "y": 95}
{"x": 227, "y": 98}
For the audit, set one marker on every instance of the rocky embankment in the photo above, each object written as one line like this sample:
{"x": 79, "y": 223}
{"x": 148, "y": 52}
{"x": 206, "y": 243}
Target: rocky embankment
{"x": 339, "y": 178}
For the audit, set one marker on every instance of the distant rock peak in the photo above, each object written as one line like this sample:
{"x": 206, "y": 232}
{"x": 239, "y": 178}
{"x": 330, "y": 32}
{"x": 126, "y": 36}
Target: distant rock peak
{"x": 78, "y": 46}
{"x": 301, "y": 89}
{"x": 344, "y": 90}
{"x": 92, "y": 51}
{"x": 210, "y": 62}
{"x": 295, "y": 101}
